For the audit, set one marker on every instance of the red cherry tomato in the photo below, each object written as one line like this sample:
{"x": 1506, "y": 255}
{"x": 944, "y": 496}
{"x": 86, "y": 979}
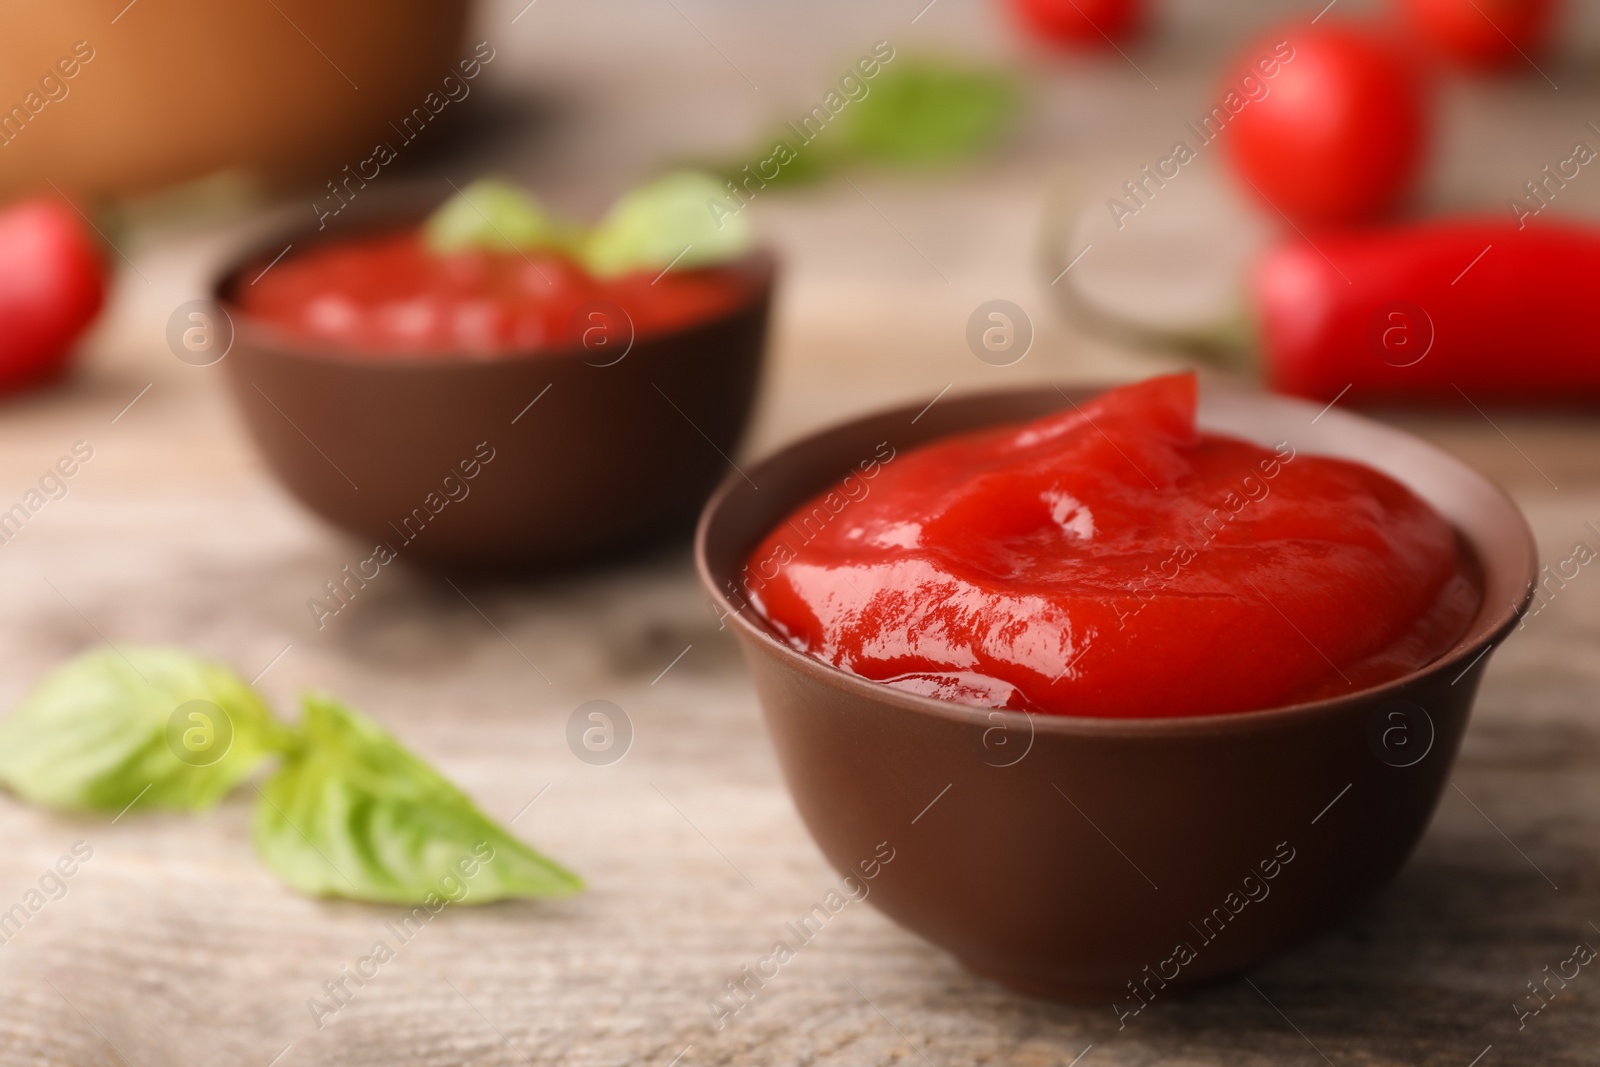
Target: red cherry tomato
{"x": 1080, "y": 23}
{"x": 1336, "y": 136}
{"x": 52, "y": 283}
{"x": 1481, "y": 34}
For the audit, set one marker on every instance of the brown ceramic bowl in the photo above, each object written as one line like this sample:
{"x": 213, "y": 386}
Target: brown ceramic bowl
{"x": 591, "y": 454}
{"x": 1080, "y": 858}
{"x": 181, "y": 89}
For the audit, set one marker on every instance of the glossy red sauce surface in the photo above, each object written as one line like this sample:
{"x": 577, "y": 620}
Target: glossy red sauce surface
{"x": 389, "y": 293}
{"x": 1113, "y": 561}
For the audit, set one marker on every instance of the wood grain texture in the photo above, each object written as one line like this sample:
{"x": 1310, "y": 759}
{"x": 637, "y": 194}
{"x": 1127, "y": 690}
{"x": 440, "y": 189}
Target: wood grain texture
{"x": 174, "y": 946}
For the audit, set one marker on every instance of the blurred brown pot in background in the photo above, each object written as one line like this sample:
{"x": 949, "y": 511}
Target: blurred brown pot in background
{"x": 177, "y": 89}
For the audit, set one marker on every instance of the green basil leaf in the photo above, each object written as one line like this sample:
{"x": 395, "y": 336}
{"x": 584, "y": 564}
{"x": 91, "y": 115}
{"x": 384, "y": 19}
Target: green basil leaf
{"x": 157, "y": 725}
{"x": 926, "y": 111}
{"x": 351, "y": 813}
{"x": 916, "y": 113}
{"x": 681, "y": 220}
{"x": 494, "y": 216}
{"x": 783, "y": 161}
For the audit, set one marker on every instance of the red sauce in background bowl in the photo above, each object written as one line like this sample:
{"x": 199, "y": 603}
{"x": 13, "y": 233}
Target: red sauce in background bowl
{"x": 1114, "y": 561}
{"x": 388, "y": 293}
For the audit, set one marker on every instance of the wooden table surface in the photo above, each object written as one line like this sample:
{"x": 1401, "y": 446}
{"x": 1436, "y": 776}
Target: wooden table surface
{"x": 173, "y": 945}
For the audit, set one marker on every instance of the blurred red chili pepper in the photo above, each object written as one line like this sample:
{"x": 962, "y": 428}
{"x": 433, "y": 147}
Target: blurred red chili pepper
{"x": 1439, "y": 312}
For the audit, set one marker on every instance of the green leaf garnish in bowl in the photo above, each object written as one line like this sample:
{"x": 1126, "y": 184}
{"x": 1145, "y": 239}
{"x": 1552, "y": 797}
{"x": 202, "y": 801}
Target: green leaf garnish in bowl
{"x": 681, "y": 220}
{"x": 352, "y": 813}
{"x": 673, "y": 221}
{"x": 493, "y": 215}
{"x": 156, "y": 725}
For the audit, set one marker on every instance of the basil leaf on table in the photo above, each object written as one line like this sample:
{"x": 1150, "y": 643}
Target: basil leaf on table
{"x": 669, "y": 222}
{"x": 351, "y": 813}
{"x": 157, "y": 725}
{"x": 926, "y": 111}
{"x": 918, "y": 112}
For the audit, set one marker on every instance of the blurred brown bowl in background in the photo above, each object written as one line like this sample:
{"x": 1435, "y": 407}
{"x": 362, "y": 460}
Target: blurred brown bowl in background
{"x": 179, "y": 89}
{"x": 507, "y": 462}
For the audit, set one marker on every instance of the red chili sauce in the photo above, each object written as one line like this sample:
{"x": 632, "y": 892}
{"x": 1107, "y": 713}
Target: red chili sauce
{"x": 1113, "y": 561}
{"x": 388, "y": 293}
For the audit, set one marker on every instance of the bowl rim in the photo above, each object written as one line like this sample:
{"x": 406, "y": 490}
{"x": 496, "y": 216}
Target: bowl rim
{"x": 1487, "y": 630}
{"x": 759, "y": 266}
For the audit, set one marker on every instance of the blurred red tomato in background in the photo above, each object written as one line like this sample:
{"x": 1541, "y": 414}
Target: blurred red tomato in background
{"x": 1481, "y": 34}
{"x": 1340, "y": 136}
{"x": 1081, "y": 23}
{"x": 52, "y": 283}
